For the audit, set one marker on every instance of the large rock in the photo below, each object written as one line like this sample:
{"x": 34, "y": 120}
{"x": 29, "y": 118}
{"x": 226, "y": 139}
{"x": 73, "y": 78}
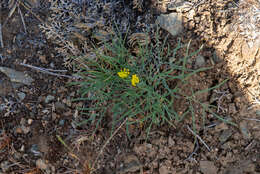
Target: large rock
{"x": 17, "y": 76}
{"x": 171, "y": 22}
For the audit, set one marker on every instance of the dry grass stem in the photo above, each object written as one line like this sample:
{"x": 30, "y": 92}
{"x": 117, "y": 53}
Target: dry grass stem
{"x": 47, "y": 71}
{"x": 104, "y": 146}
{"x": 223, "y": 94}
{"x": 197, "y": 136}
{"x": 10, "y": 14}
{"x": 1, "y": 36}
{"x": 252, "y": 119}
{"x": 24, "y": 26}
{"x": 191, "y": 158}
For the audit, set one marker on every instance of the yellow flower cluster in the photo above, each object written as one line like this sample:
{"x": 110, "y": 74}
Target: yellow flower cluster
{"x": 124, "y": 74}
{"x": 135, "y": 79}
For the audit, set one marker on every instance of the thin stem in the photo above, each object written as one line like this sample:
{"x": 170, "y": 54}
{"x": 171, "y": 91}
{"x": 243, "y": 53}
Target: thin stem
{"x": 198, "y": 138}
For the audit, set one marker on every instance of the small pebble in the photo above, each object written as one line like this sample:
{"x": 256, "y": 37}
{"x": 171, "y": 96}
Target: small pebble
{"x": 171, "y": 141}
{"x": 59, "y": 106}
{"x": 18, "y": 130}
{"x": 49, "y": 98}
{"x": 2, "y": 107}
{"x": 208, "y": 167}
{"x": 200, "y": 61}
{"x": 25, "y": 129}
{"x": 35, "y": 150}
{"x": 30, "y": 121}
{"x": 61, "y": 122}
{"x": 41, "y": 164}
{"x": 244, "y": 130}
{"x": 21, "y": 95}
{"x": 4, "y": 166}
{"x": 225, "y": 135}
{"x": 22, "y": 148}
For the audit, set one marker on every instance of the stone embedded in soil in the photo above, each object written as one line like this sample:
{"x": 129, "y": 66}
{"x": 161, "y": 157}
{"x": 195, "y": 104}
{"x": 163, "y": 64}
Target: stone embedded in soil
{"x": 21, "y": 95}
{"x": 42, "y": 164}
{"x": 146, "y": 149}
{"x": 244, "y": 129}
{"x": 164, "y": 170}
{"x": 61, "y": 122}
{"x": 200, "y": 61}
{"x": 5, "y": 166}
{"x": 171, "y": 22}
{"x": 2, "y": 107}
{"x": 49, "y": 98}
{"x": 17, "y": 76}
{"x": 171, "y": 142}
{"x": 25, "y": 129}
{"x": 216, "y": 58}
{"x": 35, "y": 150}
{"x": 224, "y": 136}
{"x": 131, "y": 164}
{"x": 221, "y": 126}
{"x": 208, "y": 167}
{"x": 59, "y": 107}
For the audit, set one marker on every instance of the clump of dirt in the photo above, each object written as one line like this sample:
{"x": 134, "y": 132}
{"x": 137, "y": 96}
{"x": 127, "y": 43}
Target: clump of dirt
{"x": 232, "y": 30}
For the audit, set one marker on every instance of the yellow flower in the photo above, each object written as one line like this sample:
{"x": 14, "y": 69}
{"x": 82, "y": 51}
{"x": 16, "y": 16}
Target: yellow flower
{"x": 135, "y": 79}
{"x": 123, "y": 73}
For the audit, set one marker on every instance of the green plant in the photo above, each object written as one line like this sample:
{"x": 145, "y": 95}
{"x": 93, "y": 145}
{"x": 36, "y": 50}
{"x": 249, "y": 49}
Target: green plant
{"x": 141, "y": 88}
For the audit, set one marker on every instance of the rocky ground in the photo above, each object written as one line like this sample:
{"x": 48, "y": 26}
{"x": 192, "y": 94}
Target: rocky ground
{"x": 38, "y": 132}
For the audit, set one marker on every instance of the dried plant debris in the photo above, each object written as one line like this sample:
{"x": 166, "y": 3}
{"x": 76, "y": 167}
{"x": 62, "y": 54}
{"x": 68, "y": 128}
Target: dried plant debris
{"x": 71, "y": 25}
{"x": 76, "y": 25}
{"x": 138, "y": 38}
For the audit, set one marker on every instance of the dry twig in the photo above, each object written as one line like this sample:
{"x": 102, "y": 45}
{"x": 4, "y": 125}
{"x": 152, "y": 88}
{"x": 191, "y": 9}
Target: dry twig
{"x": 198, "y": 138}
{"x": 24, "y": 26}
{"x": 251, "y": 119}
{"x": 219, "y": 100}
{"x": 191, "y": 158}
{"x": 48, "y": 71}
{"x": 104, "y": 146}
{"x": 13, "y": 6}
{"x": 1, "y": 36}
